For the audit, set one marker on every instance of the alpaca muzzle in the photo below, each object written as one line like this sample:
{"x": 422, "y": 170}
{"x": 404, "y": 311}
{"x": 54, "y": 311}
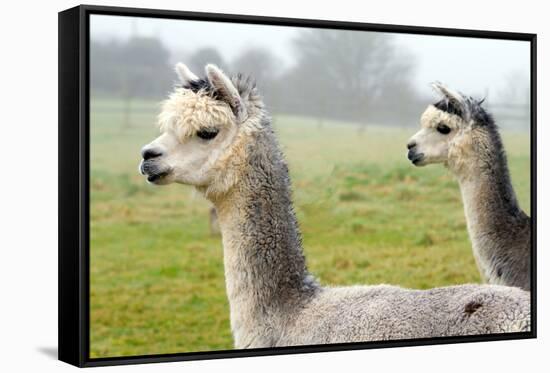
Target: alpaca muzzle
{"x": 152, "y": 170}
{"x": 414, "y": 157}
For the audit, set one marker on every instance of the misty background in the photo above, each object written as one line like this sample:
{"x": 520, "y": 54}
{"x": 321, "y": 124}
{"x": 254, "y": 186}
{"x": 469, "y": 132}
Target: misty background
{"x": 344, "y": 104}
{"x": 358, "y": 77}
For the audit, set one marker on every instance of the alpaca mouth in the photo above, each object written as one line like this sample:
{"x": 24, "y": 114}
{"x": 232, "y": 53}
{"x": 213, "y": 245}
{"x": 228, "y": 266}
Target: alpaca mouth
{"x": 156, "y": 177}
{"x": 415, "y": 158}
{"x": 154, "y": 173}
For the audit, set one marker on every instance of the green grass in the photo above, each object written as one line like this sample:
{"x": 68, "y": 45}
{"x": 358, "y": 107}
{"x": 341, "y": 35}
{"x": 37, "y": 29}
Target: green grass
{"x": 367, "y": 216}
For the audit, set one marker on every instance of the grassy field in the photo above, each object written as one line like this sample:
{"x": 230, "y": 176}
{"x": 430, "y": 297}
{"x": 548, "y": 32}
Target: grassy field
{"x": 367, "y": 216}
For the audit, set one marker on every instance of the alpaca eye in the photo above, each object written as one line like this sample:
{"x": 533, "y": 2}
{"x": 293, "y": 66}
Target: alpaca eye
{"x": 208, "y": 134}
{"x": 443, "y": 129}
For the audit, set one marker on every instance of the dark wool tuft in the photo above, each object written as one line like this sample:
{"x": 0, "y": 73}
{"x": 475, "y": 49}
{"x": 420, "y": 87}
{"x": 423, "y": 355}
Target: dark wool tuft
{"x": 200, "y": 85}
{"x": 471, "y": 108}
{"x": 246, "y": 86}
{"x": 449, "y": 107}
{"x": 480, "y": 116}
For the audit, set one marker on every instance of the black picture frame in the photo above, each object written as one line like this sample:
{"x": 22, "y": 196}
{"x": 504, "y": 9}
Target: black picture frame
{"x": 74, "y": 108}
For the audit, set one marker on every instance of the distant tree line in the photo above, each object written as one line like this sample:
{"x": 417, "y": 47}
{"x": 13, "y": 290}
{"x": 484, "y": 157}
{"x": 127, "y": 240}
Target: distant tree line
{"x": 138, "y": 67}
{"x": 344, "y": 75}
{"x": 350, "y": 75}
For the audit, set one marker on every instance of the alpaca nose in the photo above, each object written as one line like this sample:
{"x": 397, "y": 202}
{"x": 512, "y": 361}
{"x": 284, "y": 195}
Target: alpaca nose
{"x": 148, "y": 153}
{"x": 411, "y": 145}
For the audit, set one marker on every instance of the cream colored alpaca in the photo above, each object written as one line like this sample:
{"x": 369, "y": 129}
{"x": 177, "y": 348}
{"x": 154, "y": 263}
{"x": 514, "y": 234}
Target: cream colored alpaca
{"x": 216, "y": 136}
{"x": 460, "y": 134}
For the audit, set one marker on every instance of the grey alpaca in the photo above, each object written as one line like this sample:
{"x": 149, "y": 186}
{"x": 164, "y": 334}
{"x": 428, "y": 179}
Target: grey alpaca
{"x": 459, "y": 133}
{"x": 217, "y": 137}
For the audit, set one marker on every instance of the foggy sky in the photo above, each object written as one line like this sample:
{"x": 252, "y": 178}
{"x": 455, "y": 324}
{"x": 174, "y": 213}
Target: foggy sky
{"x": 473, "y": 66}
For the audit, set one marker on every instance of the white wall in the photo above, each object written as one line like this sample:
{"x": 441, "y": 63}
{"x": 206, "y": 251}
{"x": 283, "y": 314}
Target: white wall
{"x": 28, "y": 194}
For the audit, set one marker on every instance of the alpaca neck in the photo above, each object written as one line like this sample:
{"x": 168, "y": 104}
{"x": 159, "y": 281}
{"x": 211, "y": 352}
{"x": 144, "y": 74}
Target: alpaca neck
{"x": 265, "y": 270}
{"x": 490, "y": 204}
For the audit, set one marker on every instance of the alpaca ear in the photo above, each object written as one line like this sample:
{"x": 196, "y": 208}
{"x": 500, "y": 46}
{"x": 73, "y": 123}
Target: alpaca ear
{"x": 185, "y": 74}
{"x": 226, "y": 90}
{"x": 456, "y": 99}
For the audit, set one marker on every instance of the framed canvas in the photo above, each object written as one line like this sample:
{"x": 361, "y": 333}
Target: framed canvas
{"x": 235, "y": 186}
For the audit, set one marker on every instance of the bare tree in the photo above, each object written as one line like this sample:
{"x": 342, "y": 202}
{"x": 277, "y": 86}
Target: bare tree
{"x": 257, "y": 62}
{"x": 138, "y": 67}
{"x": 265, "y": 68}
{"x": 512, "y": 107}
{"x": 344, "y": 74}
{"x": 204, "y": 56}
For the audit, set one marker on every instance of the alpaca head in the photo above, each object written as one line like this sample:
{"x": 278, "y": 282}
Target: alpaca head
{"x": 201, "y": 124}
{"x": 453, "y": 129}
